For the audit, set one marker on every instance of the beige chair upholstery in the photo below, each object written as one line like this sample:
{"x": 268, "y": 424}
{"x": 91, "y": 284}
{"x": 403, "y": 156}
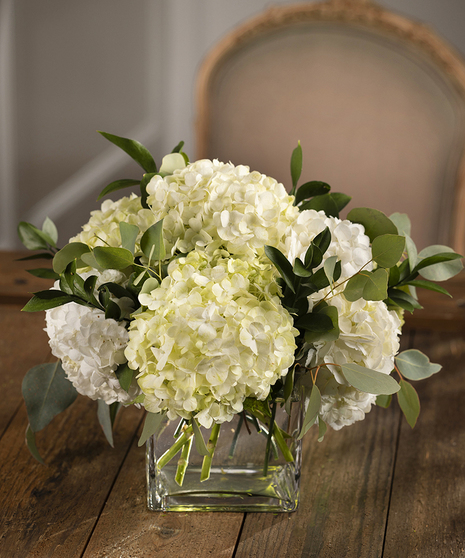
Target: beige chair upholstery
{"x": 377, "y": 101}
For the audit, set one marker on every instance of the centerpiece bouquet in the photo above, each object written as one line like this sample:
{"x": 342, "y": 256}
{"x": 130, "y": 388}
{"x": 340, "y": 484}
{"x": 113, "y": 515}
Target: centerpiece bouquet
{"x": 229, "y": 310}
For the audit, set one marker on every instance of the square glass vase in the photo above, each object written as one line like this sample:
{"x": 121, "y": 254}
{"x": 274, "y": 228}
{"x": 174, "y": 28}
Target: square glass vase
{"x": 238, "y": 480}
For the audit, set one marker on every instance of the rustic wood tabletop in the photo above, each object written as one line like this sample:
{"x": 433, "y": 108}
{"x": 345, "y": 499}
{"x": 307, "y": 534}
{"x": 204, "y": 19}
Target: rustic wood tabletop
{"x": 375, "y": 489}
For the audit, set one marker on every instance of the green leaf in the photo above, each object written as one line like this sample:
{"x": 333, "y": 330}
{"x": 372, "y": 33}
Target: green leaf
{"x": 404, "y": 300}
{"x": 89, "y": 259}
{"x": 340, "y": 199}
{"x": 375, "y": 222}
{"x": 198, "y": 439}
{"x": 322, "y": 240}
{"x": 311, "y": 189}
{"x": 402, "y": 222}
{"x": 394, "y": 276}
{"x": 329, "y": 267}
{"x": 296, "y": 166}
{"x": 113, "y": 258}
{"x": 106, "y": 416}
{"x": 47, "y": 392}
{"x": 282, "y": 264}
{"x": 383, "y": 401}
{"x": 49, "y": 228}
{"x": 442, "y": 263}
{"x": 67, "y": 254}
{"x": 31, "y": 444}
{"x": 45, "y": 300}
{"x": 324, "y": 203}
{"x": 415, "y": 365}
{"x": 134, "y": 149}
{"x": 315, "y": 322}
{"x": 170, "y": 163}
{"x": 178, "y": 147}
{"x": 124, "y": 375}
{"x": 118, "y": 185}
{"x": 321, "y": 429}
{"x": 288, "y": 389}
{"x": 151, "y": 425}
{"x": 409, "y": 402}
{"x": 43, "y": 273}
{"x": 369, "y": 381}
{"x": 328, "y": 335}
{"x": 300, "y": 270}
{"x": 429, "y": 286}
{"x": 41, "y": 256}
{"x": 411, "y": 253}
{"x": 371, "y": 285}
{"x": 312, "y": 411}
{"x": 128, "y": 236}
{"x": 30, "y": 236}
{"x": 152, "y": 243}
{"x": 387, "y": 249}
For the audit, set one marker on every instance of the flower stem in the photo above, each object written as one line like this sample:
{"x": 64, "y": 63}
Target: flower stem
{"x": 211, "y": 446}
{"x": 173, "y": 450}
{"x": 183, "y": 461}
{"x": 268, "y": 442}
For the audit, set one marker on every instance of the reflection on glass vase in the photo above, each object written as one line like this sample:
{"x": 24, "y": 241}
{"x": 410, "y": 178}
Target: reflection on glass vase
{"x": 240, "y": 478}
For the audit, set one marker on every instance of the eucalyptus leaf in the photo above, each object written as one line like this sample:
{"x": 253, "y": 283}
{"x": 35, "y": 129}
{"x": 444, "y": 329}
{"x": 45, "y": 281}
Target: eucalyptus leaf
{"x": 415, "y": 365}
{"x": 438, "y": 263}
{"x": 134, "y": 149}
{"x": 31, "y": 444}
{"x": 376, "y": 285}
{"x": 369, "y": 381}
{"x": 412, "y": 252}
{"x": 89, "y": 259}
{"x": 151, "y": 425}
{"x": 128, "y": 236}
{"x": 106, "y": 416}
{"x": 311, "y": 189}
{"x": 375, "y": 222}
{"x": 312, "y": 411}
{"x": 118, "y": 185}
{"x": 354, "y": 287}
{"x": 46, "y": 392}
{"x": 329, "y": 267}
{"x": 67, "y": 254}
{"x": 152, "y": 243}
{"x": 387, "y": 249}
{"x": 113, "y": 258}
{"x": 49, "y": 228}
{"x": 198, "y": 439}
{"x": 296, "y": 165}
{"x": 409, "y": 402}
{"x": 124, "y": 375}
{"x": 383, "y": 401}
{"x": 282, "y": 264}
{"x": 402, "y": 222}
{"x": 30, "y": 237}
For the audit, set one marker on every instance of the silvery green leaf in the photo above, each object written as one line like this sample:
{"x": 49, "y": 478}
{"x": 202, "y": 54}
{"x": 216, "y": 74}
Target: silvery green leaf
{"x": 106, "y": 416}
{"x": 438, "y": 263}
{"x": 311, "y": 414}
{"x": 329, "y": 266}
{"x": 369, "y": 381}
{"x": 134, "y": 149}
{"x": 387, "y": 249}
{"x": 67, "y": 254}
{"x": 415, "y": 365}
{"x": 383, "y": 401}
{"x": 375, "y": 222}
{"x": 411, "y": 253}
{"x": 402, "y": 222}
{"x": 151, "y": 425}
{"x": 124, "y": 375}
{"x": 47, "y": 392}
{"x": 49, "y": 228}
{"x": 113, "y": 258}
{"x": 409, "y": 402}
{"x": 128, "y": 235}
{"x": 31, "y": 444}
{"x": 30, "y": 237}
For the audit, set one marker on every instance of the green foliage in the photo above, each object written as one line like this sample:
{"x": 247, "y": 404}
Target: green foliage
{"x": 113, "y": 258}
{"x": 369, "y": 381}
{"x": 152, "y": 244}
{"x": 198, "y": 439}
{"x": 311, "y": 189}
{"x": 106, "y": 417}
{"x": 282, "y": 265}
{"x": 118, "y": 185}
{"x": 36, "y": 239}
{"x": 134, "y": 149}
{"x": 152, "y": 423}
{"x": 43, "y": 273}
{"x": 415, "y": 365}
{"x": 387, "y": 249}
{"x": 402, "y": 222}
{"x": 441, "y": 262}
{"x": 371, "y": 285}
{"x": 383, "y": 401}
{"x": 124, "y": 375}
{"x": 47, "y": 392}
{"x": 313, "y": 404}
{"x": 71, "y": 252}
{"x": 409, "y": 402}
{"x": 128, "y": 236}
{"x": 296, "y": 167}
{"x": 31, "y": 444}
{"x": 45, "y": 300}
{"x": 375, "y": 222}
{"x": 328, "y": 330}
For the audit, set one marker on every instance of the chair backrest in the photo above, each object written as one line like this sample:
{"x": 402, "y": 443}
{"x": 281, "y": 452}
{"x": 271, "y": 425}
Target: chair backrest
{"x": 377, "y": 102}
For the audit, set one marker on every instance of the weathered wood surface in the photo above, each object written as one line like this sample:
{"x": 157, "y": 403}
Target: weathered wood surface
{"x": 376, "y": 489}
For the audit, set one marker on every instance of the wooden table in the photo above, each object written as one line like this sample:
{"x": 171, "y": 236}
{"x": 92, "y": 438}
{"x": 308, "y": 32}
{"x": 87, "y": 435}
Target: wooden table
{"x": 375, "y": 489}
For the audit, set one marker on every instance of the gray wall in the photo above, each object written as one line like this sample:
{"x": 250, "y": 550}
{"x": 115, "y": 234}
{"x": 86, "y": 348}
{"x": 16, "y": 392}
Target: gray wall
{"x": 68, "y": 69}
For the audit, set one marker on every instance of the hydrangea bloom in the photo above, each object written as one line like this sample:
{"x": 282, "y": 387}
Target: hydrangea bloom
{"x": 90, "y": 346}
{"x": 214, "y": 333}
{"x": 103, "y": 226}
{"x": 348, "y": 240}
{"x": 369, "y": 336}
{"x": 228, "y": 205}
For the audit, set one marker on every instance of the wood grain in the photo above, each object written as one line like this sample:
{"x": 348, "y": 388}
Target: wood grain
{"x": 427, "y": 514}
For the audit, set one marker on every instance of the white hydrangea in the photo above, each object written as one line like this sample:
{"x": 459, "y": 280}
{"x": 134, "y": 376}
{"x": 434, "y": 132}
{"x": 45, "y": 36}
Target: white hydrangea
{"x": 103, "y": 226}
{"x": 369, "y": 336}
{"x": 228, "y": 205}
{"x": 90, "y": 346}
{"x": 214, "y": 333}
{"x": 348, "y": 240}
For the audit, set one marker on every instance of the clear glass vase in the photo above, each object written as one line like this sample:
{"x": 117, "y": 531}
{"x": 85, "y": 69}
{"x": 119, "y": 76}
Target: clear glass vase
{"x": 239, "y": 479}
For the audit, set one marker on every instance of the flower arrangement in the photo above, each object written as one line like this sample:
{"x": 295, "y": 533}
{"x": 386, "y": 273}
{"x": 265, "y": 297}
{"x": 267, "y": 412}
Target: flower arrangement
{"x": 215, "y": 293}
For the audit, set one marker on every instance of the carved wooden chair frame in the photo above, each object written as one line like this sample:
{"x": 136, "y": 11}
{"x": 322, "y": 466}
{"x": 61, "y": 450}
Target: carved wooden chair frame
{"x": 364, "y": 13}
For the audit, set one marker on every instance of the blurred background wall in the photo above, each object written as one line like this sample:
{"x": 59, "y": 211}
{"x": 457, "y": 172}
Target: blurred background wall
{"x": 126, "y": 67}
